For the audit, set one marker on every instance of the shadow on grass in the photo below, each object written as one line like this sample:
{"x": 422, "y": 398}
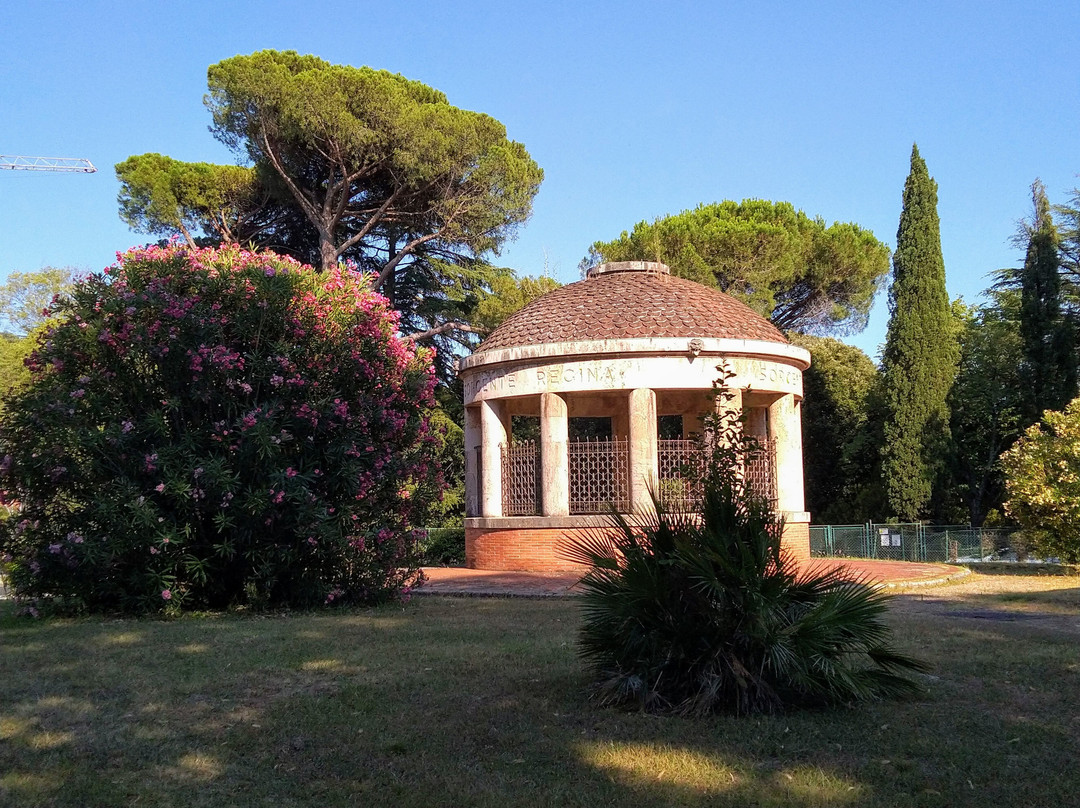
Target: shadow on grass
{"x": 1054, "y": 604}
{"x": 1021, "y": 568}
{"x": 481, "y": 702}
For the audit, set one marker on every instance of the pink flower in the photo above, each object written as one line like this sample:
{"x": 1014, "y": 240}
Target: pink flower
{"x": 166, "y": 594}
{"x": 159, "y": 487}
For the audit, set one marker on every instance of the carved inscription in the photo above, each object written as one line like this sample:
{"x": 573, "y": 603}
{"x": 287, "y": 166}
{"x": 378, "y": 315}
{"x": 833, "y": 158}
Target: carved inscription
{"x": 595, "y": 373}
{"x": 618, "y": 374}
{"x": 765, "y": 373}
{"x": 493, "y": 381}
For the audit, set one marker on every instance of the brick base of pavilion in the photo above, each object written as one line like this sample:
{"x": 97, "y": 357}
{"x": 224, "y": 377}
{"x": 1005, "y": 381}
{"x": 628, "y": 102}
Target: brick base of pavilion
{"x": 532, "y": 546}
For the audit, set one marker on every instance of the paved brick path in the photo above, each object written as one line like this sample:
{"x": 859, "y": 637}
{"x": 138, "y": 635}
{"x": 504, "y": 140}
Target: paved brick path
{"x": 481, "y": 583}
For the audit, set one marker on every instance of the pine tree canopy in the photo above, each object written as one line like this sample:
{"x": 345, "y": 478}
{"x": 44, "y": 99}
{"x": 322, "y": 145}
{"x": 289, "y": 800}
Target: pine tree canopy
{"x": 804, "y": 275}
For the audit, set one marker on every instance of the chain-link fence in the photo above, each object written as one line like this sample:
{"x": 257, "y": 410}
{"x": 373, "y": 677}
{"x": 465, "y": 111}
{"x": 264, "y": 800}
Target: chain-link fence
{"x": 915, "y": 542}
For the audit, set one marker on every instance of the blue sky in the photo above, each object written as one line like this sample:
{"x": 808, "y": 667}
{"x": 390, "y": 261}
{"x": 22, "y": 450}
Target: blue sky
{"x": 634, "y": 110}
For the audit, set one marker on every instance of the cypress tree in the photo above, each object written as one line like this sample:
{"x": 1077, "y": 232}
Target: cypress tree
{"x": 921, "y": 353}
{"x": 1049, "y": 346}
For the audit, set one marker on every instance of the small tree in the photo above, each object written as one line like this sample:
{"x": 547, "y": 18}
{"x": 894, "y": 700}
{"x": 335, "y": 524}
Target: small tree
{"x": 24, "y": 299}
{"x": 24, "y": 296}
{"x": 205, "y": 428}
{"x": 1042, "y": 476}
{"x": 705, "y": 614}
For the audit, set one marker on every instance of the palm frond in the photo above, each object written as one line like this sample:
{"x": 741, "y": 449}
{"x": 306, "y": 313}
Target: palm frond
{"x": 703, "y": 613}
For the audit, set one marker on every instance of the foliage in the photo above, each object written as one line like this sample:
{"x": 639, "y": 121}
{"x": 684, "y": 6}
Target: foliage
{"x": 351, "y": 163}
{"x": 1049, "y": 340}
{"x": 1068, "y": 218}
{"x": 206, "y": 428}
{"x": 371, "y": 157}
{"x": 921, "y": 353}
{"x": 25, "y": 296}
{"x": 443, "y": 547}
{"x": 784, "y": 264}
{"x": 508, "y": 295}
{"x": 985, "y": 404}
{"x": 839, "y": 425}
{"x": 202, "y": 202}
{"x": 449, "y": 449}
{"x": 14, "y": 351}
{"x": 700, "y": 615}
{"x": 1042, "y": 475}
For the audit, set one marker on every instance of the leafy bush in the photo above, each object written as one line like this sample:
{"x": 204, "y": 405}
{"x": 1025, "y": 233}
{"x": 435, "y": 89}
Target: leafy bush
{"x": 1042, "y": 476}
{"x": 698, "y": 614}
{"x": 206, "y": 428}
{"x": 442, "y": 547}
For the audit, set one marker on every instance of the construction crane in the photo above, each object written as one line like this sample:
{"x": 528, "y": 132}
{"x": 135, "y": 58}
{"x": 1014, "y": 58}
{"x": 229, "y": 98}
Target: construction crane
{"x": 68, "y": 164}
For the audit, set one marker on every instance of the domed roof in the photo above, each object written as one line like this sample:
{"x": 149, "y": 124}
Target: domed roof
{"x": 628, "y": 300}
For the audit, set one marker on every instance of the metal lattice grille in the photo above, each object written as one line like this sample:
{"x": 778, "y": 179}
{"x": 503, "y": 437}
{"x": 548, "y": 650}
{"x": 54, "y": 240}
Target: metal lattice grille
{"x": 599, "y": 475}
{"x": 681, "y": 463}
{"x": 759, "y": 469}
{"x": 520, "y": 474}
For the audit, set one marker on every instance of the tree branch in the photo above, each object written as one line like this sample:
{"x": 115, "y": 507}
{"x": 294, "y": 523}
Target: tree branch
{"x": 305, "y": 205}
{"x": 360, "y": 234}
{"x": 445, "y": 328}
{"x": 384, "y": 273}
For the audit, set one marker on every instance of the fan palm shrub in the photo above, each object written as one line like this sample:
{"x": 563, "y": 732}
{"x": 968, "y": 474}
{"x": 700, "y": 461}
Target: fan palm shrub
{"x": 699, "y": 613}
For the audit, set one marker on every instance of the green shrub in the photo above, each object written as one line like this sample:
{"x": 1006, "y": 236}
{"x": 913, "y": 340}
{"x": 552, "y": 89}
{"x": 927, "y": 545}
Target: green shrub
{"x": 208, "y": 428}
{"x": 1042, "y": 476}
{"x": 442, "y": 547}
{"x": 697, "y": 614}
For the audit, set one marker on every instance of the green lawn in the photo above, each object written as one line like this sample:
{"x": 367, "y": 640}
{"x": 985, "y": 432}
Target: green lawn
{"x": 461, "y": 702}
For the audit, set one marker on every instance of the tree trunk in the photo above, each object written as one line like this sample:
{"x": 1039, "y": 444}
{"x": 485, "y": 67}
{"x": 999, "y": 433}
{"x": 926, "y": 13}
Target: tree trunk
{"x": 327, "y": 252}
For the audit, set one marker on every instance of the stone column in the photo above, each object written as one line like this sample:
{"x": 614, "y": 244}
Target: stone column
{"x": 554, "y": 459}
{"x": 473, "y": 442}
{"x": 644, "y": 459}
{"x": 492, "y": 436}
{"x": 785, "y": 416}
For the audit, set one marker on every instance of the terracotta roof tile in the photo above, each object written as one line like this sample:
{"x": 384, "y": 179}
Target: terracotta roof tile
{"x": 622, "y": 304}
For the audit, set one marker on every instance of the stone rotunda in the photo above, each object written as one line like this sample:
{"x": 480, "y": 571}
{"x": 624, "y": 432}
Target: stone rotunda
{"x": 595, "y": 392}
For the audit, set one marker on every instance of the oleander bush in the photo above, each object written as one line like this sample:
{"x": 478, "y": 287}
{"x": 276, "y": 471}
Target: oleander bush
{"x": 703, "y": 613}
{"x": 209, "y": 428}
